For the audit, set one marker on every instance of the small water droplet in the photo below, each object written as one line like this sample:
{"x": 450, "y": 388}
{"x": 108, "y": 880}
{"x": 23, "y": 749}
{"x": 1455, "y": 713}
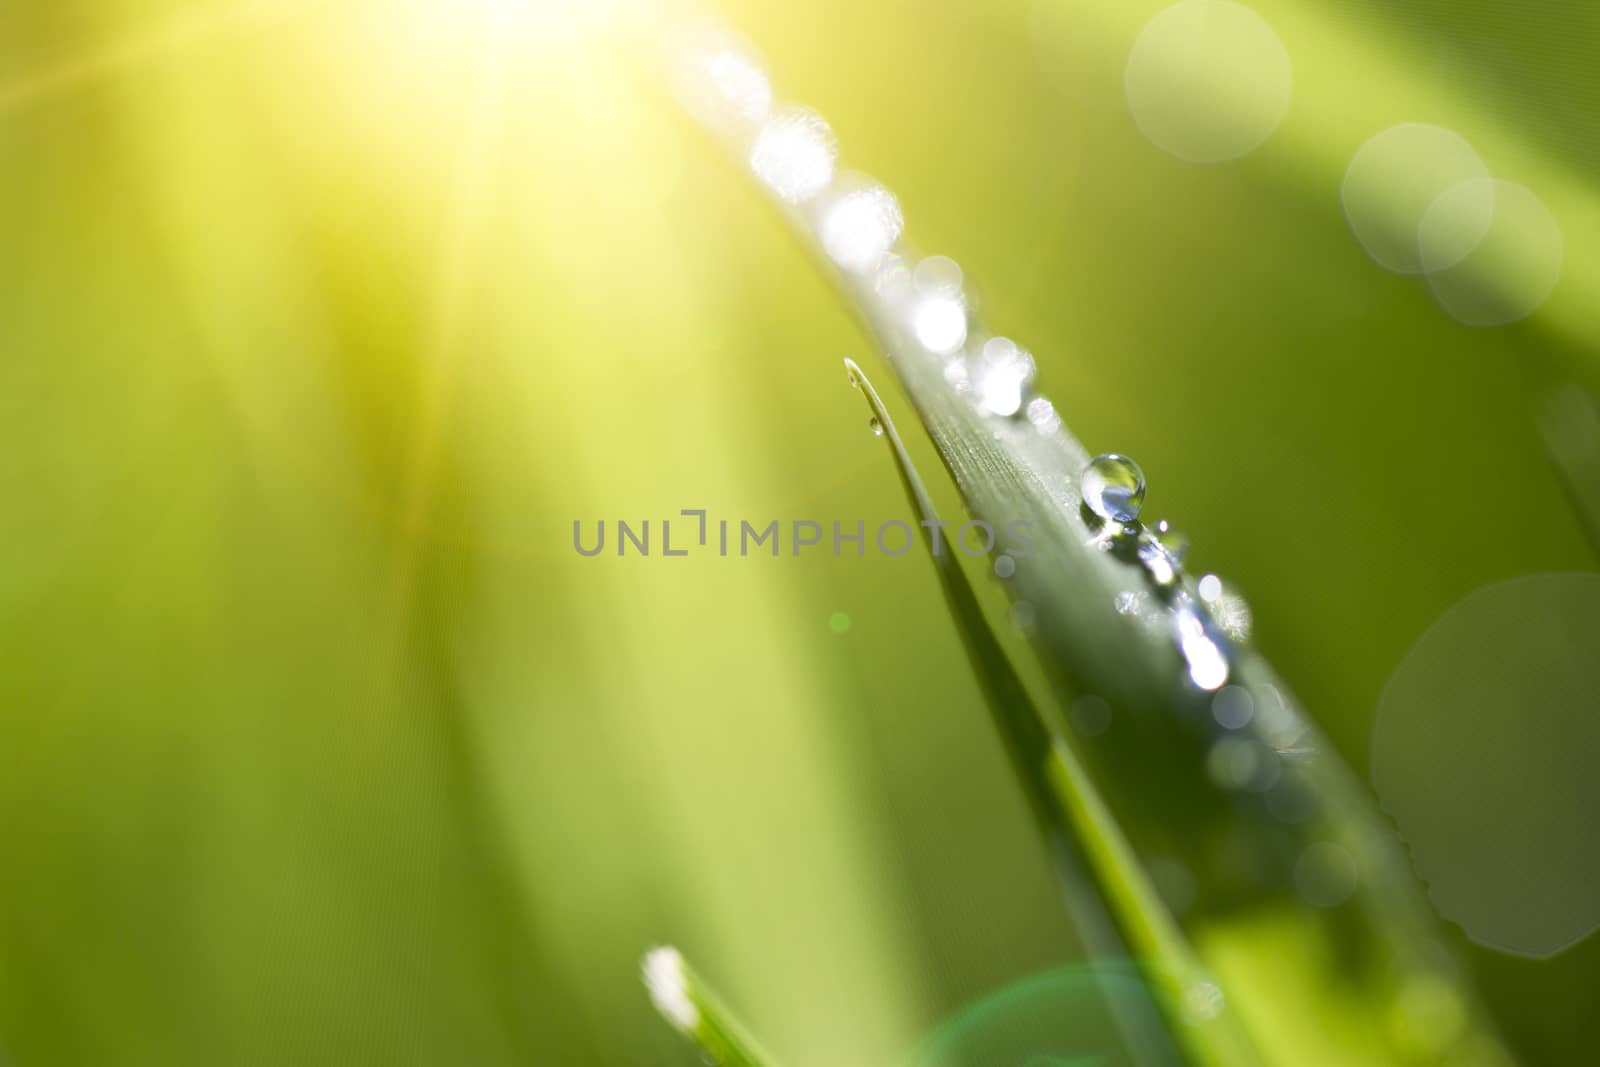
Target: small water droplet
{"x": 1202, "y": 1002}
{"x": 1043, "y": 415}
{"x": 794, "y": 155}
{"x": 861, "y": 226}
{"x": 1113, "y": 487}
{"x": 1023, "y": 616}
{"x": 1157, "y": 561}
{"x": 1130, "y": 603}
{"x": 940, "y": 323}
{"x": 1173, "y": 540}
{"x": 876, "y": 426}
{"x": 1004, "y": 566}
{"x": 1208, "y": 664}
{"x": 1210, "y": 588}
{"x": 1004, "y": 371}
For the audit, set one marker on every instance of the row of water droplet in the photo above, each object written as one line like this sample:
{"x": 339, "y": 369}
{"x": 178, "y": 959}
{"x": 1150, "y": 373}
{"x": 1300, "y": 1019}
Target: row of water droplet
{"x": 1204, "y": 619}
{"x": 858, "y": 223}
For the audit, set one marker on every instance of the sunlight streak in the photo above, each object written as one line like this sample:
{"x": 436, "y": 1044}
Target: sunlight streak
{"x": 99, "y": 65}
{"x": 477, "y": 159}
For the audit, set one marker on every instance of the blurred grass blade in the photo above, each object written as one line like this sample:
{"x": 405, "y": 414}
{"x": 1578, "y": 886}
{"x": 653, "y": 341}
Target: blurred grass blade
{"x": 1111, "y": 901}
{"x": 685, "y": 1001}
{"x": 1569, "y": 422}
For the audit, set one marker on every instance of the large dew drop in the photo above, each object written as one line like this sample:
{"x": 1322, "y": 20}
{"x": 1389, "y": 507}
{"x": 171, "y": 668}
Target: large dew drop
{"x": 1113, "y": 487}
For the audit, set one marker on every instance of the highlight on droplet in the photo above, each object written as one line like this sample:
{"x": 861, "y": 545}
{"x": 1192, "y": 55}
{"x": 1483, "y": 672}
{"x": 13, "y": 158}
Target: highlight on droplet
{"x": 719, "y": 79}
{"x": 1003, "y": 373}
{"x": 860, "y": 226}
{"x": 793, "y": 155}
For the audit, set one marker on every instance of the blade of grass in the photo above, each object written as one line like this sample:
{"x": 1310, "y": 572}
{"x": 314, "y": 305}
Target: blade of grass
{"x": 1111, "y": 901}
{"x": 1333, "y": 983}
{"x": 685, "y": 1001}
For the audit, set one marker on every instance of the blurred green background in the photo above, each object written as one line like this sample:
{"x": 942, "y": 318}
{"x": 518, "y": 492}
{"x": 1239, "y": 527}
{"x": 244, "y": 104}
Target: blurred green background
{"x": 320, "y": 323}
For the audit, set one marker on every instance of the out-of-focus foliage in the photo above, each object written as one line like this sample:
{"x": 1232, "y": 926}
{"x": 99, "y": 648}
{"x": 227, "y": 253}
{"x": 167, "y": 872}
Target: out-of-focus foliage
{"x": 318, "y": 329}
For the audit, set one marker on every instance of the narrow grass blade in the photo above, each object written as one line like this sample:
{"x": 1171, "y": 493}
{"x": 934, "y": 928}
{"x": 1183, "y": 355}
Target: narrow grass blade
{"x": 1111, "y": 901}
{"x": 685, "y": 1001}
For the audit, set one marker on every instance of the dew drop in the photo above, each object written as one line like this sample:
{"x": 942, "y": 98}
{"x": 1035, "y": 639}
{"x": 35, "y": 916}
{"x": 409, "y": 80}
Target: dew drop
{"x": 940, "y": 323}
{"x": 1210, "y": 588}
{"x": 1207, "y": 663}
{"x": 1004, "y": 372}
{"x": 1043, "y": 415}
{"x": 861, "y": 226}
{"x": 955, "y": 373}
{"x": 1202, "y": 1002}
{"x": 1157, "y": 561}
{"x": 1130, "y": 603}
{"x": 1173, "y": 540}
{"x": 794, "y": 155}
{"x": 718, "y": 78}
{"x": 1113, "y": 487}
{"x": 1004, "y": 566}
{"x": 876, "y": 426}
